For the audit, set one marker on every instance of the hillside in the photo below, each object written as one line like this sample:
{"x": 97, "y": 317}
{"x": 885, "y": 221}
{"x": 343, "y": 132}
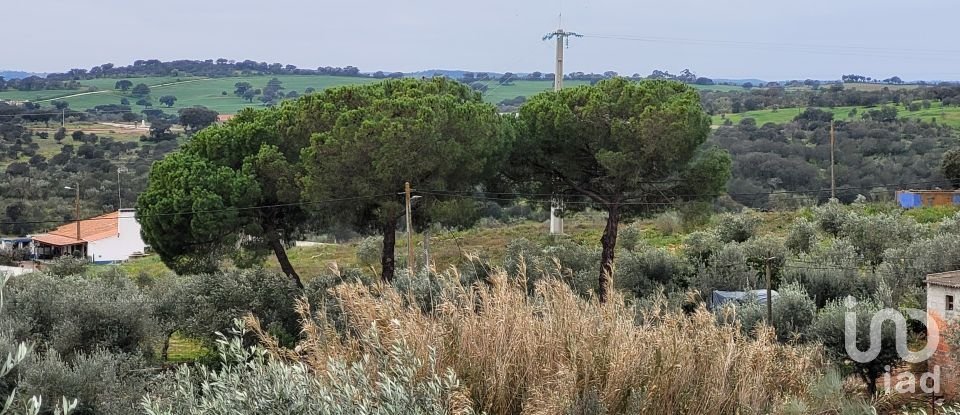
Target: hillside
{"x": 949, "y": 115}
{"x": 217, "y": 93}
{"x": 9, "y": 74}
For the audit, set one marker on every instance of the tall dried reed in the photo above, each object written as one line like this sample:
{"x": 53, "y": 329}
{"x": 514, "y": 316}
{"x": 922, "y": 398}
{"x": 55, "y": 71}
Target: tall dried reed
{"x": 555, "y": 353}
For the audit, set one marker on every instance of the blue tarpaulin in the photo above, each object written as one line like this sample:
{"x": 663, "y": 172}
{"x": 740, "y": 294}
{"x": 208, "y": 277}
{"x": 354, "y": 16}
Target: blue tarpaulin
{"x": 722, "y": 297}
{"x": 909, "y": 200}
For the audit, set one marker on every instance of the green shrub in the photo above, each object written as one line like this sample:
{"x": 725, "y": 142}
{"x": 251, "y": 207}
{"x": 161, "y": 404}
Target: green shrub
{"x": 829, "y": 329}
{"x": 728, "y": 270}
{"x": 793, "y": 312}
{"x": 872, "y": 235}
{"x": 77, "y": 314}
{"x": 736, "y": 227}
{"x": 208, "y": 303}
{"x": 904, "y": 269}
{"x": 767, "y": 247}
{"x": 250, "y": 381}
{"x": 17, "y": 355}
{"x": 825, "y": 283}
{"x": 630, "y": 237}
{"x": 802, "y": 236}
{"x": 695, "y": 214}
{"x": 67, "y": 265}
{"x": 640, "y": 273}
{"x": 788, "y": 201}
{"x": 831, "y": 216}
{"x": 699, "y": 246}
{"x": 950, "y": 225}
{"x": 104, "y": 383}
{"x": 668, "y": 223}
{"x": 369, "y": 251}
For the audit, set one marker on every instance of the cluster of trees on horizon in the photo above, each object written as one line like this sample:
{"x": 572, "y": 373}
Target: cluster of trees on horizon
{"x": 223, "y": 67}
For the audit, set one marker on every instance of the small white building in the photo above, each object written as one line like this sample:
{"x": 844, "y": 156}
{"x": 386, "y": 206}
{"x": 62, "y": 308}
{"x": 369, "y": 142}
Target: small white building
{"x": 104, "y": 239}
{"x": 943, "y": 294}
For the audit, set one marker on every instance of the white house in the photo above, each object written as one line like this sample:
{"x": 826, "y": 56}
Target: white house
{"x": 104, "y": 239}
{"x": 943, "y": 294}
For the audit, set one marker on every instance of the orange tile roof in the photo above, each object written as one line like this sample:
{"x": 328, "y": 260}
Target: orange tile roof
{"x": 224, "y": 117}
{"x": 91, "y": 229}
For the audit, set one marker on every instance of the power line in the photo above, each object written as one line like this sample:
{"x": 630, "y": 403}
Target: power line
{"x": 806, "y": 48}
{"x": 482, "y": 195}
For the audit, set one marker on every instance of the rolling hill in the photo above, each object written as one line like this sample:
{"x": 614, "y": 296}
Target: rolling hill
{"x": 217, "y": 93}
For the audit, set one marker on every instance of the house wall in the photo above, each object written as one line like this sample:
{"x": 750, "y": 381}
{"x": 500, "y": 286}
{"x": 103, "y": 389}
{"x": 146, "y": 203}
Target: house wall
{"x": 937, "y": 301}
{"x": 120, "y": 247}
{"x": 936, "y": 309}
{"x": 943, "y": 358}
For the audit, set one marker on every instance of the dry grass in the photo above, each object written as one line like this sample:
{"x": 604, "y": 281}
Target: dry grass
{"x": 556, "y": 353}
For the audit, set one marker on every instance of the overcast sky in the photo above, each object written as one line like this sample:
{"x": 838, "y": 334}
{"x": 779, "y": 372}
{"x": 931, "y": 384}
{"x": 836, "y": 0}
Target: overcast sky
{"x": 768, "y": 39}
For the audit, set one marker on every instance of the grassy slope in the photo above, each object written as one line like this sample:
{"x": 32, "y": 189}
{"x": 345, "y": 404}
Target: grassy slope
{"x": 49, "y": 147}
{"x": 209, "y": 91}
{"x": 949, "y": 115}
{"x": 453, "y": 247}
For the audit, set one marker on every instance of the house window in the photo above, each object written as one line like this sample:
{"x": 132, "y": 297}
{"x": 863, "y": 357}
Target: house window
{"x": 949, "y": 303}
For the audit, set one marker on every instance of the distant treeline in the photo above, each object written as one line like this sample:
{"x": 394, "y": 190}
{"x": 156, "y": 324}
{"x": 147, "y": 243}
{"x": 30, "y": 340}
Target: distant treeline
{"x": 834, "y": 95}
{"x": 179, "y": 68}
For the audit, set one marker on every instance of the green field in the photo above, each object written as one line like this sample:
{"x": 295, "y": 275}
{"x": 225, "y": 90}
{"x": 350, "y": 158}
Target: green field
{"x": 877, "y": 87}
{"x": 947, "y": 115}
{"x": 208, "y": 92}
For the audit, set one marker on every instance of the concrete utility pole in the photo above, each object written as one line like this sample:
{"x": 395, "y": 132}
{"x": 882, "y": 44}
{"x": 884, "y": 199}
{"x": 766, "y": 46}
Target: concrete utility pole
{"x": 426, "y": 250}
{"x": 119, "y": 189}
{"x": 833, "y": 180}
{"x": 78, "y": 210}
{"x": 410, "y": 258}
{"x": 556, "y": 209}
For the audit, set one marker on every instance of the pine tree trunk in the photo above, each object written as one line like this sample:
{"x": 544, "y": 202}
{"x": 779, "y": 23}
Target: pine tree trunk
{"x": 609, "y": 243}
{"x": 284, "y": 261}
{"x": 387, "y": 263}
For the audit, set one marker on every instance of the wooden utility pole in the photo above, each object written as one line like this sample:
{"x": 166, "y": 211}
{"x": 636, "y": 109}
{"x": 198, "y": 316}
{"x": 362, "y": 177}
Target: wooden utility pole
{"x": 556, "y": 210}
{"x": 410, "y": 258}
{"x": 833, "y": 179}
